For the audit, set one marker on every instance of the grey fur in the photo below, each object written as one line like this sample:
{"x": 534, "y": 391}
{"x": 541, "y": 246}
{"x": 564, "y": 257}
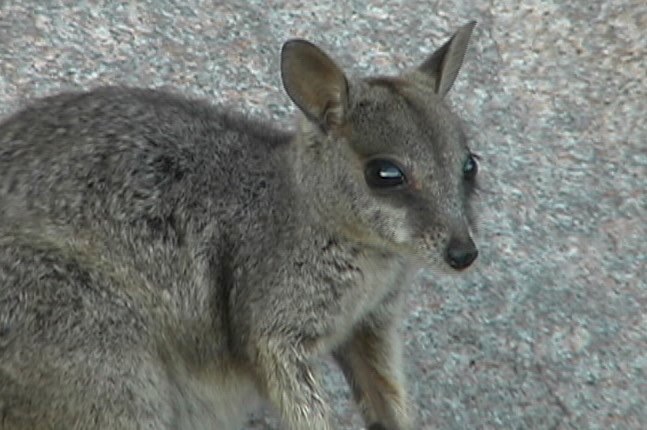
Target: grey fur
{"x": 161, "y": 261}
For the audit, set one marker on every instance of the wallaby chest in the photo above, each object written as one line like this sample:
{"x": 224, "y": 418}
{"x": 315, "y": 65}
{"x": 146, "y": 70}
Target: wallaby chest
{"x": 351, "y": 283}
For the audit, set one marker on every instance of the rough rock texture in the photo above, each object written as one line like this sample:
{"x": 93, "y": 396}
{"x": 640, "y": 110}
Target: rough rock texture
{"x": 549, "y": 331}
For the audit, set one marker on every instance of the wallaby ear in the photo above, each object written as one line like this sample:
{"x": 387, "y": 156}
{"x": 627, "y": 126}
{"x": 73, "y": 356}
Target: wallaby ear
{"x": 314, "y": 83}
{"x": 443, "y": 65}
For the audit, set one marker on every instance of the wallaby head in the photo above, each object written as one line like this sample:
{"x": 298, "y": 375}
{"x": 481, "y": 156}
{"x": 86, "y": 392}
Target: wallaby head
{"x": 384, "y": 160}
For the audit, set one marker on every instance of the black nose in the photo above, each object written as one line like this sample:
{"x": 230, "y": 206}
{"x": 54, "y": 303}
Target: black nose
{"x": 460, "y": 254}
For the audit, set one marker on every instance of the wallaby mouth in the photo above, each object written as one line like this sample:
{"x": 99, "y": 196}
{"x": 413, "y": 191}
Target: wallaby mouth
{"x": 460, "y": 254}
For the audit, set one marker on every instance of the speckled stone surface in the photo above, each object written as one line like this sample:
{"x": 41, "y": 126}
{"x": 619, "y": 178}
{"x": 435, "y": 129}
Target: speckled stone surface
{"x": 549, "y": 331}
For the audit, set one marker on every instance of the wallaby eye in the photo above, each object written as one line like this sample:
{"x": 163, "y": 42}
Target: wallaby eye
{"x": 381, "y": 173}
{"x": 470, "y": 168}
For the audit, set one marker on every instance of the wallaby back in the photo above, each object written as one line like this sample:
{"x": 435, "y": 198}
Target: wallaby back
{"x": 161, "y": 260}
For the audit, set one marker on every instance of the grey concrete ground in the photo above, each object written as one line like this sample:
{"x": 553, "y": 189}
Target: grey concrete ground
{"x": 549, "y": 331}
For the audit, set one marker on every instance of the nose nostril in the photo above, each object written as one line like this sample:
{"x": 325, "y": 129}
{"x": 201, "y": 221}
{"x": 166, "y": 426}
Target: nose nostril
{"x": 461, "y": 258}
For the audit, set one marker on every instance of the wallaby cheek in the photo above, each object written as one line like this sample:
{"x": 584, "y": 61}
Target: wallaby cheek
{"x": 398, "y": 226}
{"x": 390, "y": 224}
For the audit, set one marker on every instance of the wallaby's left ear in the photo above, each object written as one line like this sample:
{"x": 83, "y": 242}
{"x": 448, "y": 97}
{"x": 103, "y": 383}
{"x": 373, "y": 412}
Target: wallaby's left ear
{"x": 315, "y": 83}
{"x": 443, "y": 65}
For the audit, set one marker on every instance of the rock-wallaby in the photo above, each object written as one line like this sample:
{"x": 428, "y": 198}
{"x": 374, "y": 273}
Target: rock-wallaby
{"x": 162, "y": 262}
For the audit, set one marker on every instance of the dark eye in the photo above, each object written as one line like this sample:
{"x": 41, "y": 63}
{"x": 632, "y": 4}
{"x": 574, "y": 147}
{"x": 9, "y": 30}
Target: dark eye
{"x": 470, "y": 168}
{"x": 382, "y": 173}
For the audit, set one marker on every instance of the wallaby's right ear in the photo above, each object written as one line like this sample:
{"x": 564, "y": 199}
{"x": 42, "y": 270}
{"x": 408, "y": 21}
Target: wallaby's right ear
{"x": 314, "y": 83}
